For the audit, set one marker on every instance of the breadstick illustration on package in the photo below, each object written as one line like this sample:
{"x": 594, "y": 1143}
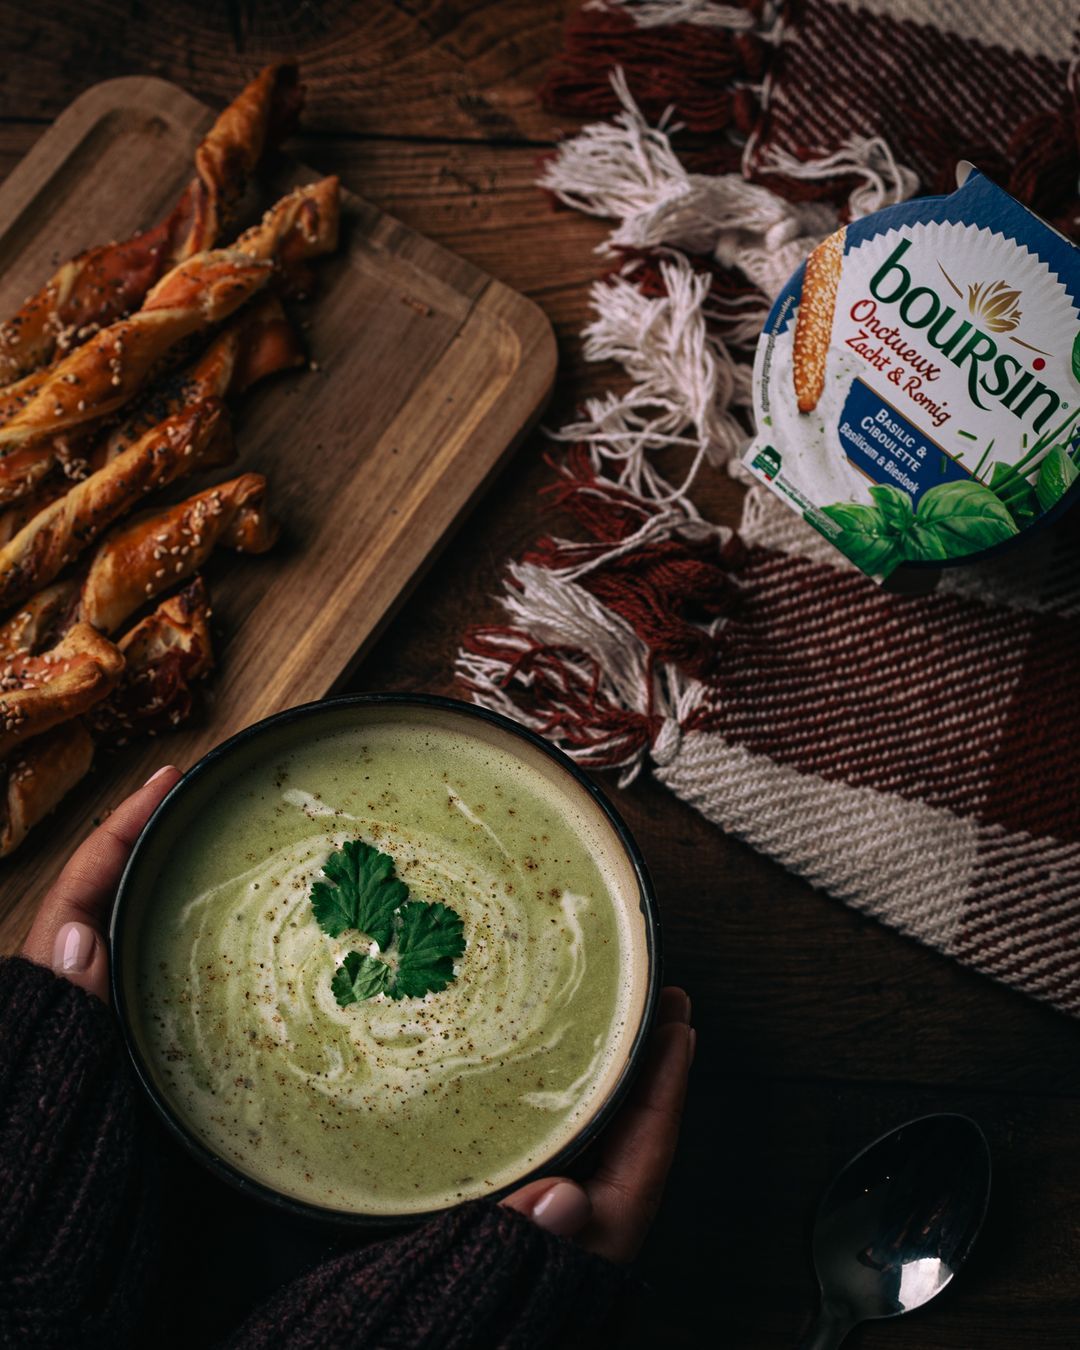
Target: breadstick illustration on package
{"x": 917, "y": 383}
{"x": 813, "y": 326}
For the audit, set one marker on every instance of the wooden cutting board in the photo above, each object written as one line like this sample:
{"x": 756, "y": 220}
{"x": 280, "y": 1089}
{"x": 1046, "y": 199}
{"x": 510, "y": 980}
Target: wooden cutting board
{"x": 427, "y": 372}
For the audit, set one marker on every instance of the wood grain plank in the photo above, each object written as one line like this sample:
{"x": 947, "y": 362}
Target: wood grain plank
{"x": 482, "y": 201}
{"x": 447, "y": 68}
{"x": 428, "y": 371}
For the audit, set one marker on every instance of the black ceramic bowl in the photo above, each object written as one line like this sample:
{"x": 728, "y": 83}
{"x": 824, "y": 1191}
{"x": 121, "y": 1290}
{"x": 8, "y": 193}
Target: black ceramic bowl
{"x": 195, "y": 794}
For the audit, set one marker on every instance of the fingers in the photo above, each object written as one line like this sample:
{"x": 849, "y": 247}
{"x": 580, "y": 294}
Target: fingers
{"x": 674, "y": 1005}
{"x": 628, "y": 1184}
{"x": 555, "y": 1203}
{"x": 612, "y": 1214}
{"x": 68, "y": 932}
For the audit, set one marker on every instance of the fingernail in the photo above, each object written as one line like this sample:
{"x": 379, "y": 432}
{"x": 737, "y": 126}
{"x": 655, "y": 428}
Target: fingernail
{"x": 165, "y": 768}
{"x": 564, "y": 1210}
{"x": 687, "y": 1010}
{"x": 693, "y": 1047}
{"x": 73, "y": 949}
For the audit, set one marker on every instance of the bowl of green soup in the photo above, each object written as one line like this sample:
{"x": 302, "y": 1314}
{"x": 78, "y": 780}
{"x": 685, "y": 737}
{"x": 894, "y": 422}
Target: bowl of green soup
{"x": 378, "y": 955}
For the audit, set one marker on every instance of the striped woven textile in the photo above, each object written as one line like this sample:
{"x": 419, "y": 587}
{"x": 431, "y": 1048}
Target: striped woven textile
{"x": 916, "y": 756}
{"x": 940, "y": 80}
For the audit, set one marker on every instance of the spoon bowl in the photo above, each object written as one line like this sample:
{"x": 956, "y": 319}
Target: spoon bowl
{"x": 897, "y": 1223}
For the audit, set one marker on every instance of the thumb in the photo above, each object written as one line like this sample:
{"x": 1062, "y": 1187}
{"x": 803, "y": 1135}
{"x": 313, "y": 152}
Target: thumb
{"x": 68, "y": 933}
{"x": 556, "y": 1204}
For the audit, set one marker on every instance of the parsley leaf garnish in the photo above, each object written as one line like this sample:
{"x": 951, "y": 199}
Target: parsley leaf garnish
{"x": 428, "y": 941}
{"x": 362, "y": 893}
{"x": 359, "y": 977}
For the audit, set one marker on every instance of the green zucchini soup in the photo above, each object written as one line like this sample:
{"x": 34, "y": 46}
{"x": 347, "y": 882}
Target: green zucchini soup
{"x": 390, "y": 961}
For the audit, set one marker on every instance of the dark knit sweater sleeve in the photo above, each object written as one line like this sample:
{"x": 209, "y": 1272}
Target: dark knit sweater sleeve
{"x": 73, "y": 1231}
{"x": 479, "y": 1277}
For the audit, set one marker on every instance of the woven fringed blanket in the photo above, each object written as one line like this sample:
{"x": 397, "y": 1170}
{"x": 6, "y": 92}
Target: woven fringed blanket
{"x": 915, "y": 756}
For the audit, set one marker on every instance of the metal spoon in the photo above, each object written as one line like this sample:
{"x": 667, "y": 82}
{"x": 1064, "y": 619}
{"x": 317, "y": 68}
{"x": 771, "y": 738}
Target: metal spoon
{"x": 898, "y": 1223}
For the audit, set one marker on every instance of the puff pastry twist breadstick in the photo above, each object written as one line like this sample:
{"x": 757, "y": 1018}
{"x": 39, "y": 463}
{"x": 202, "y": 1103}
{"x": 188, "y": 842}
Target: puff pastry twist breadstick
{"x": 40, "y": 692}
{"x": 102, "y": 284}
{"x": 39, "y": 622}
{"x": 156, "y": 550}
{"x": 38, "y": 776}
{"x": 263, "y": 114}
{"x": 100, "y": 376}
{"x": 256, "y": 343}
{"x": 164, "y": 654}
{"x": 304, "y": 224}
{"x": 59, "y": 533}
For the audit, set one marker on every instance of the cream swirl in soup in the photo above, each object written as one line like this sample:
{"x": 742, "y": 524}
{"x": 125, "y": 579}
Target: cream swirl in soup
{"x": 389, "y": 1105}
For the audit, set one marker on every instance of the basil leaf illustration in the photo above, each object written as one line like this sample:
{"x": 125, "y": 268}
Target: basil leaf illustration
{"x": 1056, "y": 475}
{"x": 1076, "y": 358}
{"x": 958, "y": 519}
{"x": 895, "y": 507}
{"x": 1015, "y": 491}
{"x": 923, "y": 544}
{"x": 864, "y": 536}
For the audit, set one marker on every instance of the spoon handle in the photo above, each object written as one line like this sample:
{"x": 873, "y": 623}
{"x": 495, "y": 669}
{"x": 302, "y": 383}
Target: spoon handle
{"x": 827, "y": 1333}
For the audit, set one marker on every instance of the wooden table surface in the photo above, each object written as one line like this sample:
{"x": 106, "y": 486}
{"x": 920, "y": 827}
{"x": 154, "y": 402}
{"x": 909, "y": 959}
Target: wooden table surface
{"x": 818, "y": 1029}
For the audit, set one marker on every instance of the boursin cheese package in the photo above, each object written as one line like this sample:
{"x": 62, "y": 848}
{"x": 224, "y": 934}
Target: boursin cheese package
{"x": 917, "y": 384}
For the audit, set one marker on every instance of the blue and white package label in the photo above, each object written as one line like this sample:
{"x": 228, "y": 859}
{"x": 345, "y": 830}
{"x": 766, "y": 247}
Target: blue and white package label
{"x": 917, "y": 382}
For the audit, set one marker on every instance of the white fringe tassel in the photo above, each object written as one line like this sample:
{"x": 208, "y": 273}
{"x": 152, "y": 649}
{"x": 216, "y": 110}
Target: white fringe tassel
{"x": 884, "y": 181}
{"x": 702, "y": 13}
{"x": 555, "y": 610}
{"x": 686, "y": 384}
{"x": 627, "y": 170}
{"x": 684, "y": 378}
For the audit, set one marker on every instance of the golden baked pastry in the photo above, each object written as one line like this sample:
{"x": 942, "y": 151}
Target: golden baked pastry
{"x": 158, "y": 549}
{"x": 105, "y": 283}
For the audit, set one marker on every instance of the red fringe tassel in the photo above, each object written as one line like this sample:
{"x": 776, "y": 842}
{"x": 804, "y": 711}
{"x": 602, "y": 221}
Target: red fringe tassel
{"x": 693, "y": 69}
{"x": 668, "y": 590}
{"x": 568, "y": 707}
